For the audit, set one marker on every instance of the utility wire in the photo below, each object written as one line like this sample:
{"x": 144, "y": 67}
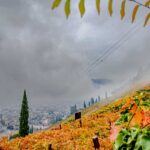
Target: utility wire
{"x": 106, "y": 48}
{"x": 101, "y": 58}
{"x": 111, "y": 47}
{"x": 108, "y": 51}
{"x": 141, "y": 4}
{"x": 114, "y": 47}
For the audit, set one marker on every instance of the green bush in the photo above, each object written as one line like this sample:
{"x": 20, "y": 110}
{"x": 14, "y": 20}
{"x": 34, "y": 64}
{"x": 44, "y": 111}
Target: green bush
{"x": 133, "y": 138}
{"x": 14, "y": 136}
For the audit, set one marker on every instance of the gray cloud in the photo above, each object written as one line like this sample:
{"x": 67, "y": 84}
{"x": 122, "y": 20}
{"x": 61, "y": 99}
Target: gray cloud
{"x": 101, "y": 81}
{"x": 54, "y": 58}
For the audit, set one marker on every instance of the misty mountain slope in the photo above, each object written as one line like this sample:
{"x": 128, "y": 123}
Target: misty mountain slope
{"x": 123, "y": 124}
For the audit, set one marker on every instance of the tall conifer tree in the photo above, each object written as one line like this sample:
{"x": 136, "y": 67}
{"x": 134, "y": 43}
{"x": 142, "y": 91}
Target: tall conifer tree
{"x": 24, "y": 115}
{"x": 84, "y": 104}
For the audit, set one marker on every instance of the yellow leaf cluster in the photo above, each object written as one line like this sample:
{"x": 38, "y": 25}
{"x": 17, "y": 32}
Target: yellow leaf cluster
{"x": 135, "y": 10}
{"x": 67, "y": 8}
{"x": 147, "y": 4}
{"x": 56, "y": 3}
{"x": 110, "y": 5}
{"x": 147, "y": 18}
{"x": 82, "y": 9}
{"x": 122, "y": 11}
{"x": 98, "y": 6}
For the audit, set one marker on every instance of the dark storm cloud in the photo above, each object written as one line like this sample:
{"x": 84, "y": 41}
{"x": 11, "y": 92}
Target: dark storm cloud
{"x": 54, "y": 58}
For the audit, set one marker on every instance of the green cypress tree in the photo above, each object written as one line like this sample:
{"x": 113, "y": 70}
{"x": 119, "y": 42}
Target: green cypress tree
{"x": 24, "y": 115}
{"x": 84, "y": 104}
{"x": 92, "y": 101}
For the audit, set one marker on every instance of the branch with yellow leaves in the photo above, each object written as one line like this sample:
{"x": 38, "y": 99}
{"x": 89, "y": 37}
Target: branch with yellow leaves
{"x": 81, "y": 5}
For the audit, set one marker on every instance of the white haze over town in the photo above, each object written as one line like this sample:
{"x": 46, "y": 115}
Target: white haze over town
{"x": 60, "y": 61}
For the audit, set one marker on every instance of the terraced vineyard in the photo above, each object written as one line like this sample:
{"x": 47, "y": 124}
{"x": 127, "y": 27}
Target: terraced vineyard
{"x": 122, "y": 125}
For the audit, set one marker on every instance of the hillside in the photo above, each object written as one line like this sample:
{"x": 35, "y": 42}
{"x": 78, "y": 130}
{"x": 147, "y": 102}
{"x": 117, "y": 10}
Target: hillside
{"x": 123, "y": 124}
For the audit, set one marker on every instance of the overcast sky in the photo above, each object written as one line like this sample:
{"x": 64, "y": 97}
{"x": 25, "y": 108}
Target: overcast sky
{"x": 63, "y": 61}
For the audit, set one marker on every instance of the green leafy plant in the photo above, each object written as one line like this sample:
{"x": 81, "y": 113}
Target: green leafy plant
{"x": 125, "y": 116}
{"x": 146, "y": 103}
{"x": 133, "y": 138}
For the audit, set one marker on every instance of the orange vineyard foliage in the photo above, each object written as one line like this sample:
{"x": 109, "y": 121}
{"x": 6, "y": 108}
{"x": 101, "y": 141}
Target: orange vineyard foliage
{"x": 97, "y": 120}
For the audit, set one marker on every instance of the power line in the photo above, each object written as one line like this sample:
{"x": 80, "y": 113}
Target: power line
{"x": 141, "y": 4}
{"x": 110, "y": 48}
{"x": 125, "y": 40}
{"x": 106, "y": 48}
{"x": 120, "y": 40}
{"x": 116, "y": 45}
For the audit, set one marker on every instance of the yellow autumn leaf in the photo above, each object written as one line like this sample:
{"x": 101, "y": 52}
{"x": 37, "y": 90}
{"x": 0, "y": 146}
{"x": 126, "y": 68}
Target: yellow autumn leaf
{"x": 67, "y": 8}
{"x": 135, "y": 10}
{"x": 98, "y": 6}
{"x": 56, "y": 3}
{"x": 147, "y": 4}
{"x": 110, "y": 5}
{"x": 147, "y": 19}
{"x": 122, "y": 11}
{"x": 81, "y": 7}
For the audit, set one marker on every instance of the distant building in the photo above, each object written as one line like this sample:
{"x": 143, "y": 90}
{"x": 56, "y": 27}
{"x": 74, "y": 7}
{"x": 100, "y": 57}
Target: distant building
{"x": 58, "y": 118}
{"x": 10, "y": 127}
{"x": 1, "y": 128}
{"x": 2, "y": 122}
{"x": 73, "y": 109}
